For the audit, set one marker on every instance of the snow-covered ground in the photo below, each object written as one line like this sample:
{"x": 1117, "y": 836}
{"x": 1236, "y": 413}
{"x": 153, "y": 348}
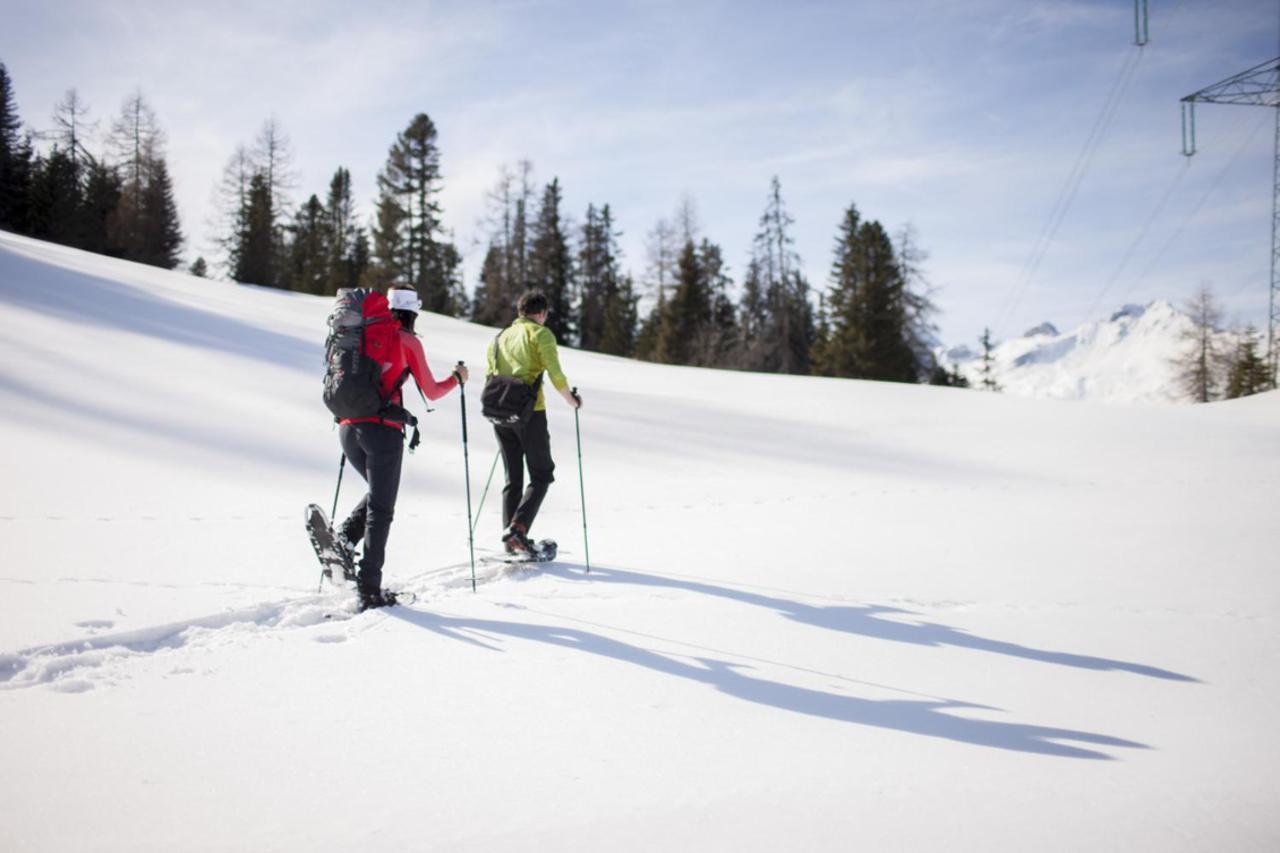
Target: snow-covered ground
{"x": 821, "y": 614}
{"x": 1128, "y": 357}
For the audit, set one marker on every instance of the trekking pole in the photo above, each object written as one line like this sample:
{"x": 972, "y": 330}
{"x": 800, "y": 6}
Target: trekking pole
{"x": 342, "y": 464}
{"x": 466, "y": 466}
{"x": 581, "y": 489}
{"x": 485, "y": 493}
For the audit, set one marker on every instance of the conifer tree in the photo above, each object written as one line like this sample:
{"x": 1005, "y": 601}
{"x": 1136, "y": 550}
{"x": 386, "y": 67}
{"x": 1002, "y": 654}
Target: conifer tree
{"x": 409, "y": 240}
{"x": 783, "y": 332}
{"x": 503, "y": 273}
{"x": 254, "y": 260}
{"x": 1201, "y": 366}
{"x": 56, "y": 198}
{"x": 307, "y": 267}
{"x": 550, "y": 265}
{"x": 598, "y": 276}
{"x": 161, "y": 237}
{"x": 15, "y": 160}
{"x": 620, "y": 320}
{"x": 231, "y": 201}
{"x": 698, "y": 324}
{"x": 134, "y": 138}
{"x": 144, "y": 225}
{"x": 661, "y": 253}
{"x": 102, "y": 194}
{"x": 339, "y": 235}
{"x": 1248, "y": 373}
{"x": 986, "y": 370}
{"x": 199, "y": 268}
{"x": 877, "y": 325}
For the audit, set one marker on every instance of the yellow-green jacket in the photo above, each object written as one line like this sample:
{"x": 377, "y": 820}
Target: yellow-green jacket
{"x": 524, "y": 350}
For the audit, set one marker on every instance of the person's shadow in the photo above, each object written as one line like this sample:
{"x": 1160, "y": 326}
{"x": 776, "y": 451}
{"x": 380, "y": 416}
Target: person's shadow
{"x": 931, "y": 718}
{"x": 865, "y": 620}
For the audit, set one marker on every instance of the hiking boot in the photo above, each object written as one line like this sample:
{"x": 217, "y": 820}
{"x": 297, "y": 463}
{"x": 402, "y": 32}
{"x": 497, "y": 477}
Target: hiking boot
{"x": 515, "y": 541}
{"x": 382, "y": 598}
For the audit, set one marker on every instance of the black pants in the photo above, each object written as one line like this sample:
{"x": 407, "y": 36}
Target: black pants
{"x": 376, "y": 452}
{"x": 531, "y": 445}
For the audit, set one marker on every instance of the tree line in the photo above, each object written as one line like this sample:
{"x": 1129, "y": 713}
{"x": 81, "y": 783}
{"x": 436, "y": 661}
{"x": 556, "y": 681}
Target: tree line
{"x": 872, "y": 320}
{"x": 115, "y": 201}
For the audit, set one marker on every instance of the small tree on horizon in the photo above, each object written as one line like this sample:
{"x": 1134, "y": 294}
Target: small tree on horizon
{"x": 986, "y": 370}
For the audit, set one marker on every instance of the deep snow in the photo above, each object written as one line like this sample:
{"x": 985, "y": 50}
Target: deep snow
{"x": 822, "y": 614}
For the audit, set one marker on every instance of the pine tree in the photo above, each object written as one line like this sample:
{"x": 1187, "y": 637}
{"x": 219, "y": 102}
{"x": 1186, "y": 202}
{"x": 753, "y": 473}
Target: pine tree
{"x": 619, "y": 330}
{"x": 620, "y": 320}
{"x": 781, "y": 326}
{"x": 134, "y": 138}
{"x": 550, "y": 265}
{"x": 1201, "y": 366}
{"x": 15, "y": 161}
{"x": 254, "y": 260}
{"x": 199, "y": 268}
{"x": 687, "y": 313}
{"x": 231, "y": 200}
{"x": 870, "y": 335}
{"x": 1248, "y": 373}
{"x": 502, "y": 276}
{"x": 661, "y": 252}
{"x": 102, "y": 194}
{"x": 161, "y": 236}
{"x": 597, "y": 277}
{"x": 340, "y": 235}
{"x": 987, "y": 369}
{"x": 307, "y": 267}
{"x": 408, "y": 238}
{"x": 56, "y": 197}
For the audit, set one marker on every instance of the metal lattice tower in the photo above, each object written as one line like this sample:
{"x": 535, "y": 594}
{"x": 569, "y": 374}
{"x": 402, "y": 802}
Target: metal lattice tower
{"x": 1259, "y": 87}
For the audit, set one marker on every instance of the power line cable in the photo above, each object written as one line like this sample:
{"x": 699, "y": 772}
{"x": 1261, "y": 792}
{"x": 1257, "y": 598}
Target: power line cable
{"x": 1075, "y": 177}
{"x": 1222, "y": 173}
{"x": 1142, "y": 234}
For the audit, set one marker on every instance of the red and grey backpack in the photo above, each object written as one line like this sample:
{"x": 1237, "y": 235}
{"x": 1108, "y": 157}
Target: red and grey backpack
{"x": 362, "y": 337}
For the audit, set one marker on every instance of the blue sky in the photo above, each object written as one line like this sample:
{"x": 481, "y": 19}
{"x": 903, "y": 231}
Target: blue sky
{"x": 964, "y": 120}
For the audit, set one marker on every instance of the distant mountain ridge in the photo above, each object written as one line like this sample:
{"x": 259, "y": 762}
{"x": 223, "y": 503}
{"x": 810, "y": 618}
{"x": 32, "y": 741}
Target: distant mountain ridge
{"x": 1125, "y": 358}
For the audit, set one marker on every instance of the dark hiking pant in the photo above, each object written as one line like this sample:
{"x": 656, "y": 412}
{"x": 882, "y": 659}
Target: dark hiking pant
{"x": 375, "y": 451}
{"x": 527, "y": 445}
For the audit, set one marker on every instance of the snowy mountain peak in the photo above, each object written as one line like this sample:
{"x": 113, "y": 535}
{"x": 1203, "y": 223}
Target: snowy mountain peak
{"x": 1125, "y": 358}
{"x": 1045, "y": 328}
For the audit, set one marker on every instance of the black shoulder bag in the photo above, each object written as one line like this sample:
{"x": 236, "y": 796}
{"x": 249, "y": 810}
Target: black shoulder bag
{"x": 507, "y": 401}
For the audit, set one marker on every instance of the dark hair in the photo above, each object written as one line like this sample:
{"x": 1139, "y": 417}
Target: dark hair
{"x": 532, "y": 302}
{"x": 406, "y": 318}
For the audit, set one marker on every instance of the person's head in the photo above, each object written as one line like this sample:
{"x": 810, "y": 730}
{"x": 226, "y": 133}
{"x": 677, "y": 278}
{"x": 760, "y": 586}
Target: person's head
{"x": 533, "y": 304}
{"x": 405, "y": 305}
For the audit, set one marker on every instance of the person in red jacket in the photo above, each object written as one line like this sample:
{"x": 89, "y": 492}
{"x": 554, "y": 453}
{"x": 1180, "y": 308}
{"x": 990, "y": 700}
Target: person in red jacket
{"x": 375, "y": 448}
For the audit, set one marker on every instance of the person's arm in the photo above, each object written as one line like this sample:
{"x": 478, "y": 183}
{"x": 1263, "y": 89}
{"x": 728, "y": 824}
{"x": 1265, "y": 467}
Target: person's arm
{"x": 550, "y": 355}
{"x": 417, "y": 361}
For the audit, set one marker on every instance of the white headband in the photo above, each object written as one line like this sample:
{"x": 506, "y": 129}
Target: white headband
{"x": 405, "y": 300}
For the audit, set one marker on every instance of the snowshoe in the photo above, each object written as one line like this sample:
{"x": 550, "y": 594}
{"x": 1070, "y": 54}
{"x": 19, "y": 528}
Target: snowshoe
{"x": 336, "y": 556}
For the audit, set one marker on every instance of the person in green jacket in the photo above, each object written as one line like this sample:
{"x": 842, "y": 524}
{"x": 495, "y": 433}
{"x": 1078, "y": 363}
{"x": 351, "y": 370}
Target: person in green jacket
{"x": 525, "y": 349}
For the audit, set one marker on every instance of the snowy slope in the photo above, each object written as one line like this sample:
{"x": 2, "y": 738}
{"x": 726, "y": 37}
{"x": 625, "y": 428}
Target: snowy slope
{"x": 1126, "y": 358}
{"x": 822, "y": 614}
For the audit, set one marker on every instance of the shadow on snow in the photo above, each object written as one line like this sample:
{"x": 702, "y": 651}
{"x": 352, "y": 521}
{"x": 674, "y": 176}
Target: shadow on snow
{"x": 928, "y": 718}
{"x": 865, "y": 620}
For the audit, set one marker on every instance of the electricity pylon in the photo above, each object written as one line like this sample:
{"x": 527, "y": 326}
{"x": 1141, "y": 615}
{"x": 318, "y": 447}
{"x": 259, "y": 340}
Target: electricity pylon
{"x": 1257, "y": 87}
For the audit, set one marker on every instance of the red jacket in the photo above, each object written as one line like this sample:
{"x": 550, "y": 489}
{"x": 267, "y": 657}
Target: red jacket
{"x": 408, "y": 355}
